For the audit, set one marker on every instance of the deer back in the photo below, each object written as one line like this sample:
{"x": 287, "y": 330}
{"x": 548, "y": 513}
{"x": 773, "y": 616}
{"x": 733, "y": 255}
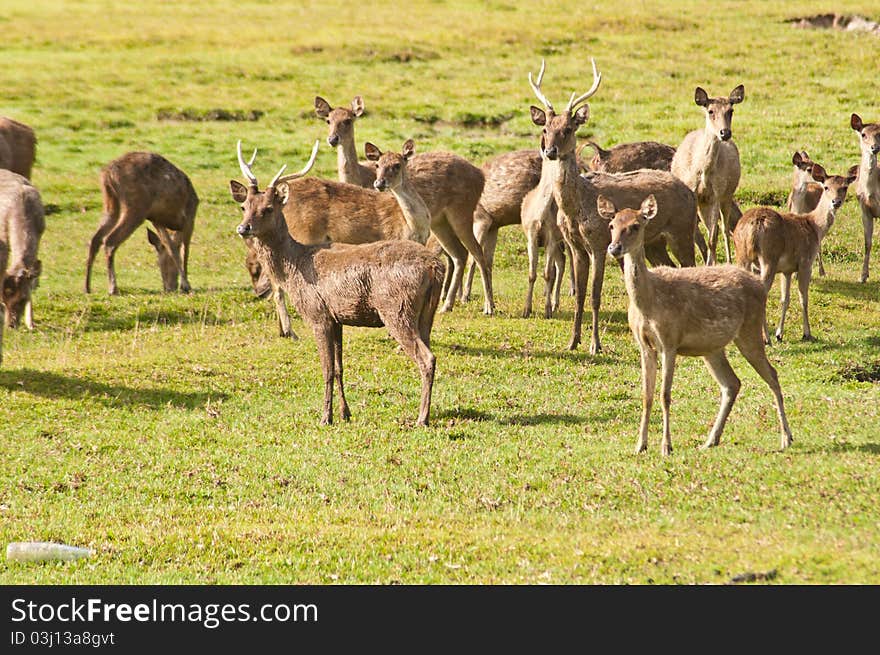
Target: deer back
{"x": 17, "y": 147}
{"x": 627, "y": 157}
{"x": 446, "y": 181}
{"x": 508, "y": 178}
{"x": 718, "y": 176}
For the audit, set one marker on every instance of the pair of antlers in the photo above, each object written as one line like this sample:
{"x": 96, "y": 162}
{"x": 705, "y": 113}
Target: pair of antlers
{"x": 575, "y": 99}
{"x": 248, "y": 173}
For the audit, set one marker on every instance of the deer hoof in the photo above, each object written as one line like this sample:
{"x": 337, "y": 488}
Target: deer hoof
{"x": 808, "y": 337}
{"x": 779, "y": 336}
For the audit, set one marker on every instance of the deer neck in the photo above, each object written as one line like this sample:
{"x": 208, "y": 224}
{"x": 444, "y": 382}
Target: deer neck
{"x": 708, "y": 152}
{"x": 415, "y": 211}
{"x": 638, "y": 280}
{"x": 823, "y": 216}
{"x": 347, "y": 165}
{"x": 566, "y": 189}
{"x": 282, "y": 256}
{"x": 801, "y": 182}
{"x": 869, "y": 175}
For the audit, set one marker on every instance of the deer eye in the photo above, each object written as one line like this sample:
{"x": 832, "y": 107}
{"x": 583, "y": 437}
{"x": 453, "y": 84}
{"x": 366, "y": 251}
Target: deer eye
{"x": 711, "y": 112}
{"x": 327, "y": 120}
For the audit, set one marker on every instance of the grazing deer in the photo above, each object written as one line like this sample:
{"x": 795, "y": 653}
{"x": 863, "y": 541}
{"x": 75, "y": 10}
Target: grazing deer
{"x": 449, "y": 185}
{"x": 805, "y": 193}
{"x": 392, "y": 283}
{"x": 18, "y": 146}
{"x": 22, "y": 222}
{"x": 694, "y": 312}
{"x": 708, "y": 162}
{"x": 138, "y": 187}
{"x": 868, "y": 182}
{"x": 584, "y": 230}
{"x": 788, "y": 243}
{"x": 626, "y": 157}
{"x": 391, "y": 175}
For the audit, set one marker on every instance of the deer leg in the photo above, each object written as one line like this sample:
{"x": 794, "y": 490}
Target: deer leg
{"x": 701, "y": 243}
{"x": 730, "y": 384}
{"x": 447, "y": 274}
{"x": 668, "y": 356}
{"x": 431, "y": 297}
{"x": 532, "y": 249}
{"x": 656, "y": 253}
{"x": 284, "y": 327}
{"x": 457, "y": 253}
{"x": 4, "y": 260}
{"x": 107, "y": 223}
{"x": 724, "y": 219}
{"x": 408, "y": 337}
{"x": 552, "y": 271}
{"x": 29, "y": 314}
{"x": 819, "y": 262}
{"x": 683, "y": 248}
{"x": 123, "y": 229}
{"x": 649, "y": 383}
{"x": 804, "y": 277}
{"x": 868, "y": 227}
{"x": 598, "y": 278}
{"x": 174, "y": 250}
{"x": 462, "y": 225}
{"x": 785, "y": 298}
{"x": 572, "y": 290}
{"x": 487, "y": 237}
{"x": 344, "y": 412}
{"x": 559, "y": 272}
{"x": 581, "y": 268}
{"x": 709, "y": 214}
{"x": 753, "y": 350}
{"x": 324, "y": 335}
{"x": 768, "y": 272}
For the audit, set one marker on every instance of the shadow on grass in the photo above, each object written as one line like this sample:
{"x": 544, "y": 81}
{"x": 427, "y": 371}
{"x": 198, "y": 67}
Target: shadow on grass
{"x": 582, "y": 354}
{"x": 852, "y": 289}
{"x": 52, "y": 385}
{"x": 837, "y": 448}
{"x": 471, "y": 414}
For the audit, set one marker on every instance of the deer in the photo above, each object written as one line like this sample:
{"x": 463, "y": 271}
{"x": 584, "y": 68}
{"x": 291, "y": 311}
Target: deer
{"x": 805, "y": 193}
{"x": 390, "y": 283}
{"x": 584, "y": 230}
{"x": 694, "y": 312}
{"x": 138, "y": 187}
{"x": 391, "y": 175}
{"x": 788, "y": 243}
{"x": 448, "y": 184}
{"x": 868, "y": 182}
{"x": 18, "y": 147}
{"x": 22, "y": 223}
{"x": 708, "y": 162}
{"x": 626, "y": 157}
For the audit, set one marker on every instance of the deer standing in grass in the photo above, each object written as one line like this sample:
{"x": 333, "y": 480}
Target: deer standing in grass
{"x": 18, "y": 147}
{"x": 22, "y": 223}
{"x": 138, "y": 187}
{"x": 391, "y": 175}
{"x": 695, "y": 312}
{"x": 449, "y": 185}
{"x": 584, "y": 230}
{"x": 788, "y": 243}
{"x": 805, "y": 192}
{"x": 708, "y": 162}
{"x": 868, "y": 182}
{"x": 395, "y": 284}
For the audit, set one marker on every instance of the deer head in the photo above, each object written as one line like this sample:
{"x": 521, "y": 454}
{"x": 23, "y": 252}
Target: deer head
{"x": 263, "y": 210}
{"x": 834, "y": 187}
{"x": 626, "y": 225}
{"x": 719, "y": 111}
{"x": 390, "y": 166}
{"x": 18, "y": 284}
{"x": 559, "y": 133}
{"x": 167, "y": 267}
{"x": 340, "y": 121}
{"x": 869, "y": 135}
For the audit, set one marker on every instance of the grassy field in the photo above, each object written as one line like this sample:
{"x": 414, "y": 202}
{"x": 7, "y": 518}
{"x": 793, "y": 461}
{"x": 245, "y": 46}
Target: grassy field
{"x": 177, "y": 435}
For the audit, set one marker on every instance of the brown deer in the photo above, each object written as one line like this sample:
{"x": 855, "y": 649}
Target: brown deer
{"x": 18, "y": 147}
{"x": 626, "y": 157}
{"x": 584, "y": 230}
{"x": 708, "y": 162}
{"x": 395, "y": 284}
{"x": 788, "y": 243}
{"x": 539, "y": 225}
{"x": 694, "y": 312}
{"x": 391, "y": 175}
{"x": 138, "y": 187}
{"x": 805, "y": 193}
{"x": 449, "y": 185}
{"x": 22, "y": 222}
{"x": 868, "y": 182}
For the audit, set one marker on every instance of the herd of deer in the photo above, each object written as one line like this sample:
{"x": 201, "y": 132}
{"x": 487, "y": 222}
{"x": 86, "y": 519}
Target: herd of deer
{"x": 347, "y": 254}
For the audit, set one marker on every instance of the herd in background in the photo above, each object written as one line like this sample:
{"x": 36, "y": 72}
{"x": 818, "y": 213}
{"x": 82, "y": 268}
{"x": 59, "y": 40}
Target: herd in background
{"x": 346, "y": 253}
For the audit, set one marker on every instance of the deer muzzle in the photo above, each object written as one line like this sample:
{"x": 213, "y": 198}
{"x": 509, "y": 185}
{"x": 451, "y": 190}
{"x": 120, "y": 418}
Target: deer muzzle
{"x": 724, "y": 134}
{"x": 333, "y": 140}
{"x": 244, "y": 230}
{"x": 380, "y": 184}
{"x": 615, "y": 250}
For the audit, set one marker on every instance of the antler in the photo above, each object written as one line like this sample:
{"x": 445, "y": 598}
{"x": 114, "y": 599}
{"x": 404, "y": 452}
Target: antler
{"x": 246, "y": 167}
{"x": 293, "y": 176}
{"x": 536, "y": 87}
{"x": 597, "y": 78}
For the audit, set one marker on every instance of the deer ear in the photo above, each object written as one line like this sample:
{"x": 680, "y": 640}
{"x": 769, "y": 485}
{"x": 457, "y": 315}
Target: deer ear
{"x": 853, "y": 174}
{"x": 797, "y": 158}
{"x": 818, "y": 173}
{"x": 538, "y": 115}
{"x": 409, "y": 149}
{"x": 606, "y": 208}
{"x": 855, "y": 122}
{"x": 372, "y": 152}
{"x": 737, "y": 95}
{"x": 582, "y": 114}
{"x": 239, "y": 191}
{"x": 649, "y": 207}
{"x": 153, "y": 238}
{"x": 283, "y": 192}
{"x": 357, "y": 106}
{"x": 701, "y": 97}
{"x": 322, "y": 107}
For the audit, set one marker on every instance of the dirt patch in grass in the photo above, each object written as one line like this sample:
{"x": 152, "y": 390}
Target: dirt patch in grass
{"x": 202, "y": 115}
{"x": 869, "y": 372}
{"x": 845, "y": 22}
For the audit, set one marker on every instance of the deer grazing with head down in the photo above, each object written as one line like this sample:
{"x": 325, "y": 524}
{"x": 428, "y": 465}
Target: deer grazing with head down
{"x": 395, "y": 284}
{"x": 138, "y": 187}
{"x": 449, "y": 185}
{"x": 18, "y": 147}
{"x": 708, "y": 162}
{"x": 584, "y": 230}
{"x": 788, "y": 243}
{"x": 695, "y": 312}
{"x": 868, "y": 182}
{"x": 22, "y": 222}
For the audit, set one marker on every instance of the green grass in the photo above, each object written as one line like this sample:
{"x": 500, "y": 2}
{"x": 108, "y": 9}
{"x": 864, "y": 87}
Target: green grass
{"x": 177, "y": 435}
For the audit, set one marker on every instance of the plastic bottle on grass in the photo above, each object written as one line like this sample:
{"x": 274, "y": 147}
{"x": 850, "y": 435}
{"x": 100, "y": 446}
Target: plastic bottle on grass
{"x": 44, "y": 551}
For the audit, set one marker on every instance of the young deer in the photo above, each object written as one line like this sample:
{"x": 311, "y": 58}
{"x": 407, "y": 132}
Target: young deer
{"x": 868, "y": 182}
{"x": 449, "y": 185}
{"x": 18, "y": 147}
{"x": 805, "y": 193}
{"x": 708, "y": 162}
{"x": 539, "y": 225}
{"x": 141, "y": 186}
{"x": 391, "y": 175}
{"x": 789, "y": 243}
{"x": 584, "y": 230}
{"x": 694, "y": 312}
{"x": 395, "y": 284}
{"x": 22, "y": 222}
